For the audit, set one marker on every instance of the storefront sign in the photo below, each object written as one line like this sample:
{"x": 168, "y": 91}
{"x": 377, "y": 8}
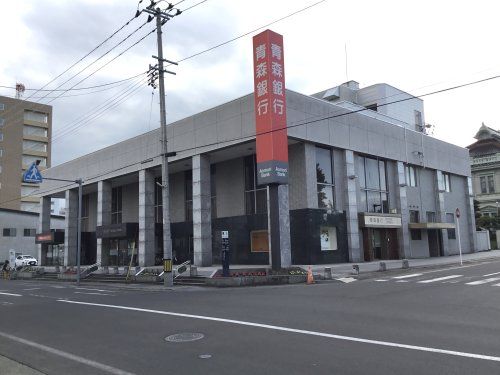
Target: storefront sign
{"x": 270, "y": 108}
{"x": 376, "y": 221}
{"x": 54, "y": 237}
{"x": 123, "y": 230}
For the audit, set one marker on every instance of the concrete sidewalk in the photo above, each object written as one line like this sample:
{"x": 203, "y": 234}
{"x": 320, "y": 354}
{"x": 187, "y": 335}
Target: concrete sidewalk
{"x": 346, "y": 269}
{"x": 10, "y": 367}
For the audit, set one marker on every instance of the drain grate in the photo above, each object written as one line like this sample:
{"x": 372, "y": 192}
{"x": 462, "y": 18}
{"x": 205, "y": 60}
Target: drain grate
{"x": 184, "y": 337}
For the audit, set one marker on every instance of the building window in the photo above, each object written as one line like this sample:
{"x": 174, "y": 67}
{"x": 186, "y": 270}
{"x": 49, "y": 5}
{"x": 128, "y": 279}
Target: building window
{"x": 444, "y": 181}
{"x": 34, "y": 146}
{"x": 36, "y": 116}
{"x": 85, "y": 212}
{"x": 415, "y": 234}
{"x": 188, "y": 190}
{"x": 2, "y": 106}
{"x": 450, "y": 218}
{"x": 213, "y": 191}
{"x": 411, "y": 176}
{"x": 325, "y": 178}
{"x": 9, "y": 232}
{"x": 431, "y": 216}
{"x": 487, "y": 184}
{"x": 255, "y": 199}
{"x": 1, "y": 136}
{"x": 418, "y": 121}
{"x": 29, "y": 232}
{"x": 2, "y": 121}
{"x": 373, "y": 183}
{"x": 158, "y": 201}
{"x": 1, "y": 152}
{"x": 116, "y": 205}
{"x": 34, "y": 131}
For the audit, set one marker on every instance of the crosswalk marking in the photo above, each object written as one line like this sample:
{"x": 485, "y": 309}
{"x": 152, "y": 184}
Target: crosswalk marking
{"x": 381, "y": 280}
{"x": 479, "y": 282}
{"x": 440, "y": 279}
{"x": 11, "y": 294}
{"x": 491, "y": 274}
{"x": 402, "y": 281}
{"x": 408, "y": 276}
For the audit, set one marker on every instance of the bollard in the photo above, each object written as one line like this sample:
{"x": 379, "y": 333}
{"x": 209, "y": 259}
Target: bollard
{"x": 355, "y": 269}
{"x": 105, "y": 270}
{"x": 382, "y": 267}
{"x": 193, "y": 271}
{"x": 115, "y": 270}
{"x": 328, "y": 273}
{"x": 406, "y": 264}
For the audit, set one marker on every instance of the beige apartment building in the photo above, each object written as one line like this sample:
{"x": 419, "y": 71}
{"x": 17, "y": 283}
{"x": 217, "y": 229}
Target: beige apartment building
{"x": 25, "y": 133}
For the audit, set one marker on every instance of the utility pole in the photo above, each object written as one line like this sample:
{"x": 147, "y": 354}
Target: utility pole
{"x": 162, "y": 17}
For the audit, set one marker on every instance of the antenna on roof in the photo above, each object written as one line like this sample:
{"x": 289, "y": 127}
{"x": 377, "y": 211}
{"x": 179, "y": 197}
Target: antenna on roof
{"x": 19, "y": 90}
{"x": 346, "y": 75}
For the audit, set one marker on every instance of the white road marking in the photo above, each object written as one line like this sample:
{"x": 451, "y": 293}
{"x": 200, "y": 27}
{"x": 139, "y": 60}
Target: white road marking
{"x": 491, "y": 274}
{"x": 60, "y": 353}
{"x": 11, "y": 294}
{"x": 93, "y": 294}
{"x": 32, "y": 288}
{"x": 479, "y": 282}
{"x": 439, "y": 279}
{"x": 95, "y": 290}
{"x": 408, "y": 276}
{"x": 57, "y": 286}
{"x": 380, "y": 280}
{"x": 346, "y": 280}
{"x": 402, "y": 281}
{"x": 299, "y": 331}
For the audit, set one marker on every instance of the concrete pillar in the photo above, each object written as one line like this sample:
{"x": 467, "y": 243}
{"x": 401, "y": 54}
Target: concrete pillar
{"x": 351, "y": 208}
{"x": 103, "y": 216}
{"x": 471, "y": 219}
{"x": 70, "y": 232}
{"x": 310, "y": 175}
{"x": 284, "y": 225}
{"x": 402, "y": 205}
{"x": 146, "y": 218}
{"x": 442, "y": 212}
{"x": 202, "y": 221}
{"x": 43, "y": 226}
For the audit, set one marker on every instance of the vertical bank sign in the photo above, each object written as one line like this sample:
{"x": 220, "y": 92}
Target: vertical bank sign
{"x": 270, "y": 108}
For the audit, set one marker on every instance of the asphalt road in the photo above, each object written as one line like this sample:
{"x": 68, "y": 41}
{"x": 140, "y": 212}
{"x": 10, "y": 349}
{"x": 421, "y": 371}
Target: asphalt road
{"x": 444, "y": 321}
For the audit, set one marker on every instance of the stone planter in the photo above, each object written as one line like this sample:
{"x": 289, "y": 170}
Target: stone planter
{"x": 146, "y": 278}
{"x": 25, "y": 275}
{"x": 67, "y": 276}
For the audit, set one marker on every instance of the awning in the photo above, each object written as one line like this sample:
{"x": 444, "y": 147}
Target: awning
{"x": 431, "y": 226}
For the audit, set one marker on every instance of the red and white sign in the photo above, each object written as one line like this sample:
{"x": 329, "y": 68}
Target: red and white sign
{"x": 270, "y": 108}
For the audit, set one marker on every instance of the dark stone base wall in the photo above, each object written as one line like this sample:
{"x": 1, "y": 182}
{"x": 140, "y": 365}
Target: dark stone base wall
{"x": 305, "y": 237}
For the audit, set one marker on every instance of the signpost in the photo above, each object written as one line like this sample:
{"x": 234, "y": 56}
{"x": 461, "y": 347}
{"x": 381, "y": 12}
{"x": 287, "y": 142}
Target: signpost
{"x": 33, "y": 176}
{"x": 457, "y": 215}
{"x": 225, "y": 253}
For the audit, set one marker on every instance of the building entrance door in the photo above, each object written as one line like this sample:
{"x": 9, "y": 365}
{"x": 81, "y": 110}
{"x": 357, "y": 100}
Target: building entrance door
{"x": 380, "y": 244}
{"x": 435, "y": 243}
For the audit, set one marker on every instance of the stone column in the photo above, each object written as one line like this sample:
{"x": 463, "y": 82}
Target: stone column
{"x": 442, "y": 212}
{"x": 71, "y": 231}
{"x": 471, "y": 219}
{"x": 351, "y": 209}
{"x": 284, "y": 226}
{"x": 103, "y": 215}
{"x": 202, "y": 221}
{"x": 146, "y": 246}
{"x": 402, "y": 205}
{"x": 310, "y": 175}
{"x": 43, "y": 225}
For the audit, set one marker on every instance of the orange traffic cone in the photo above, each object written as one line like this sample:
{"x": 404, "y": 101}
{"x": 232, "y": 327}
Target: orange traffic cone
{"x": 310, "y": 277}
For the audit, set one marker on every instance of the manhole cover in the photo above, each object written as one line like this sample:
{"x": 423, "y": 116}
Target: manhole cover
{"x": 184, "y": 337}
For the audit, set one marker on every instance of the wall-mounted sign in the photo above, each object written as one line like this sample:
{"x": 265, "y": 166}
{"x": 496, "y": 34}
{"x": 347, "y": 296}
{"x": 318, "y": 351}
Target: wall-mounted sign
{"x": 259, "y": 241}
{"x": 270, "y": 108}
{"x": 380, "y": 221}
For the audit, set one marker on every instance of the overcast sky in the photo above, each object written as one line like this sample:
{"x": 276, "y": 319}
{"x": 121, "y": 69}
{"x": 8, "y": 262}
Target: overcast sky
{"x": 418, "y": 46}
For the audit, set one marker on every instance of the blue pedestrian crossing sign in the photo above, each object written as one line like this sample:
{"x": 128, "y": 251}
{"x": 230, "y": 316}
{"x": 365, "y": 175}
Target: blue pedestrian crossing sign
{"x": 32, "y": 174}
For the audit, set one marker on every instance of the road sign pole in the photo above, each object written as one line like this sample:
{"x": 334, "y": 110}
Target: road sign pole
{"x": 457, "y": 215}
